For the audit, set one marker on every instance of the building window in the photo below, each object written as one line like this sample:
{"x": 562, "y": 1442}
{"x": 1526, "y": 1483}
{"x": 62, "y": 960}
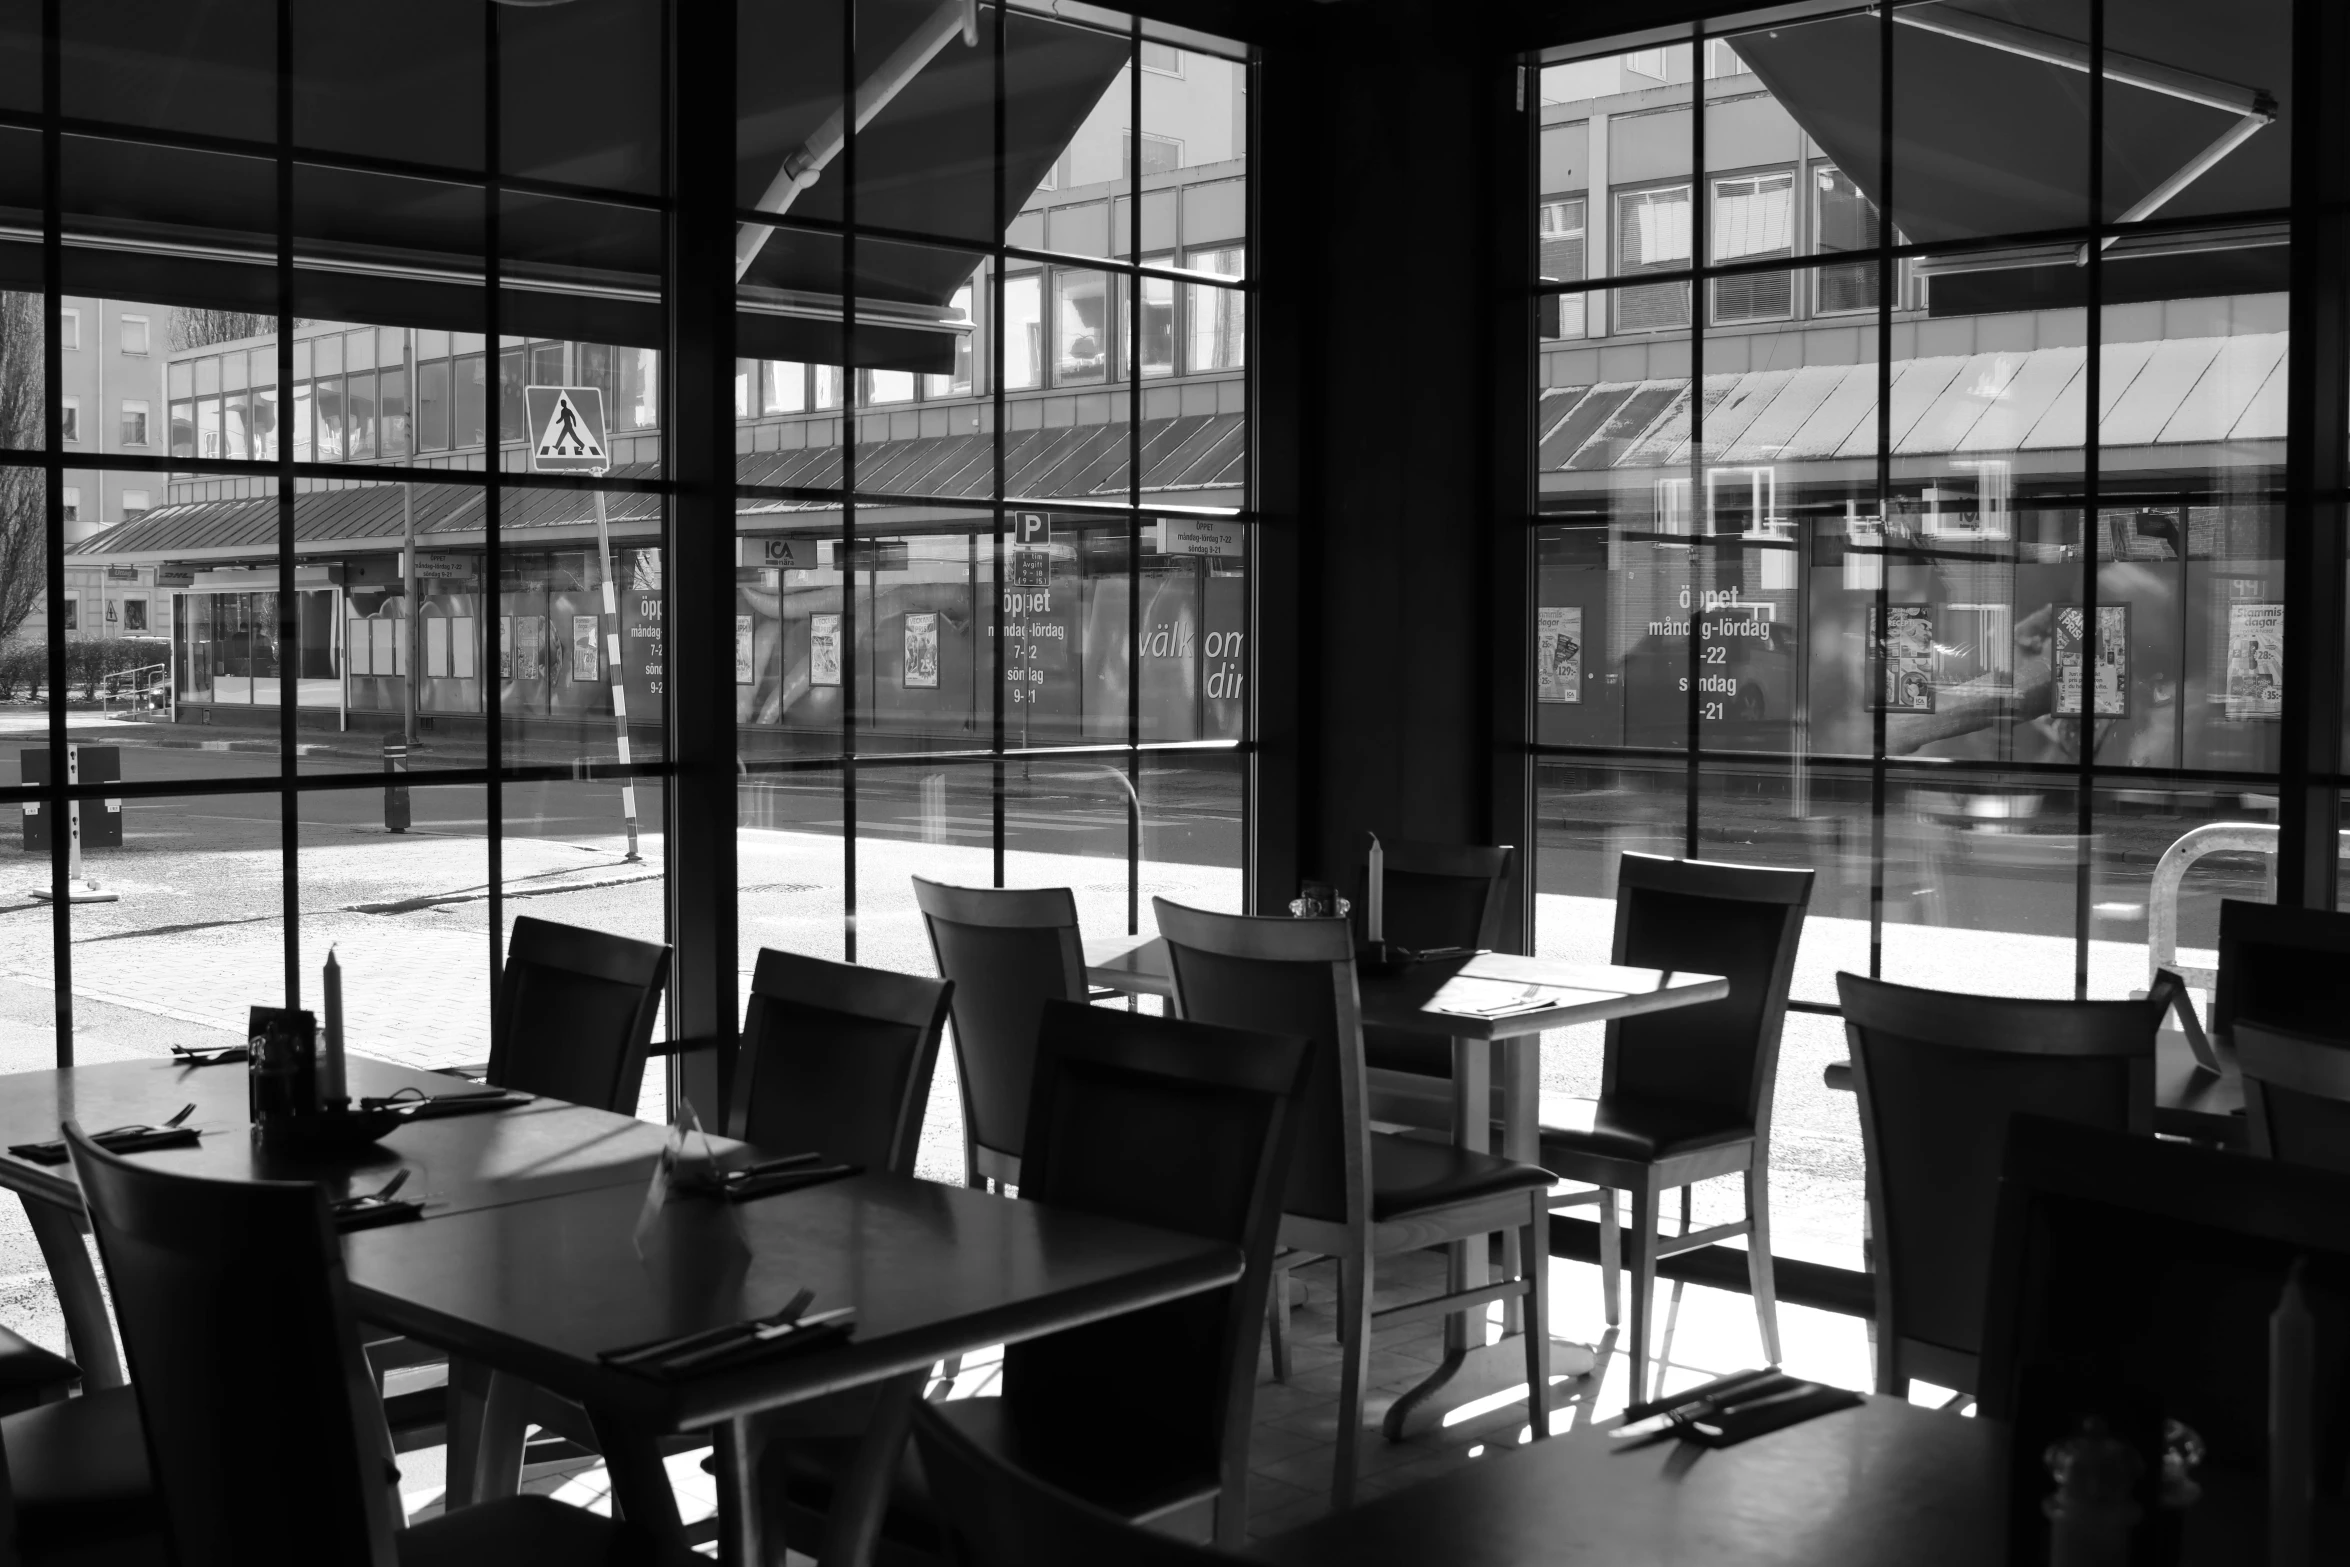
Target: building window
{"x": 745, "y": 372}
{"x": 1215, "y": 319}
{"x": 1652, "y": 235}
{"x": 134, "y": 421}
{"x": 1024, "y": 331}
{"x": 134, "y": 335}
{"x": 73, "y": 505}
{"x": 73, "y": 610}
{"x": 1157, "y": 345}
{"x": 1081, "y": 336}
{"x": 957, "y": 383}
{"x": 1649, "y": 62}
{"x": 1843, "y": 219}
{"x": 827, "y": 381}
{"x": 135, "y": 503}
{"x": 1754, "y": 218}
{"x": 72, "y": 422}
{"x": 1561, "y": 260}
{"x": 69, "y": 329}
{"x": 1160, "y": 154}
{"x": 134, "y": 615}
{"x": 1165, "y": 59}
{"x": 1722, "y": 60}
{"x": 783, "y": 386}
{"x": 888, "y": 386}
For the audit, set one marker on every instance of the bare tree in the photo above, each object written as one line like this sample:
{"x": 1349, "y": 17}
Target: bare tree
{"x": 203, "y": 328}
{"x": 24, "y": 512}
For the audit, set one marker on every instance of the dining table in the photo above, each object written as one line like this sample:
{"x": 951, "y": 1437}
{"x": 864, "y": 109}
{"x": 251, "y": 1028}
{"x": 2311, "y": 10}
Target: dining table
{"x": 539, "y": 1249}
{"x": 1496, "y": 1081}
{"x": 1883, "y": 1484}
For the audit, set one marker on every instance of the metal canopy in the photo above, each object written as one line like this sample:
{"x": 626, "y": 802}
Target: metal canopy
{"x": 192, "y": 228}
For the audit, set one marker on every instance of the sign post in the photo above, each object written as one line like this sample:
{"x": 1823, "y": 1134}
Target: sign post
{"x": 567, "y": 435}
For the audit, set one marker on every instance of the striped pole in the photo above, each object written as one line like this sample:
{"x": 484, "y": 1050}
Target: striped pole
{"x": 612, "y": 668}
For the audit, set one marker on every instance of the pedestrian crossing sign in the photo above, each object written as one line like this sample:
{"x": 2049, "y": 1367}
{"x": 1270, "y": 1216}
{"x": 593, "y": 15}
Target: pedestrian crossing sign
{"x": 566, "y": 425}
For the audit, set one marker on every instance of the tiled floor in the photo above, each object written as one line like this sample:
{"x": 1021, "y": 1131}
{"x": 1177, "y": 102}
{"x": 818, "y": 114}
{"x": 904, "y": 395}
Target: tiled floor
{"x": 1702, "y": 1334}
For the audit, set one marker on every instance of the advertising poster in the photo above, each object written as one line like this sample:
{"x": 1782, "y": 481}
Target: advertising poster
{"x": 505, "y": 647}
{"x": 643, "y": 653}
{"x": 1906, "y": 653}
{"x": 2112, "y": 663}
{"x": 824, "y": 650}
{"x": 744, "y": 672}
{"x": 1558, "y": 655}
{"x": 530, "y": 648}
{"x": 584, "y": 664}
{"x": 921, "y": 667}
{"x": 2256, "y": 660}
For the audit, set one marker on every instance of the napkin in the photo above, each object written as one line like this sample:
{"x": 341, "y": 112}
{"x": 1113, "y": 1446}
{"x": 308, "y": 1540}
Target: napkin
{"x": 139, "y": 1141}
{"x": 365, "y": 1213}
{"x": 434, "y": 1107}
{"x": 736, "y": 1345}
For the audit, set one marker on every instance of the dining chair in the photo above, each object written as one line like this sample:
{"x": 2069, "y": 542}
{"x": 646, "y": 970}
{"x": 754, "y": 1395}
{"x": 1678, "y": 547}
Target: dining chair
{"x": 2296, "y": 1095}
{"x": 1685, "y": 1096}
{"x": 993, "y": 1513}
{"x": 575, "y": 1014}
{"x": 2281, "y": 966}
{"x": 1354, "y": 1194}
{"x": 1939, "y": 1075}
{"x": 213, "y": 1279}
{"x": 75, "y": 1484}
{"x": 1171, "y": 1123}
{"x": 1438, "y": 895}
{"x": 838, "y": 1057}
{"x": 1007, "y": 951}
{"x": 2135, "y": 1277}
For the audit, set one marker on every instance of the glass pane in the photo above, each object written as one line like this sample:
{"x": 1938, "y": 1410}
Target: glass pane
{"x": 2168, "y": 854}
{"x": 1981, "y": 876}
{"x": 1023, "y": 347}
{"x": 1084, "y": 345}
{"x": 791, "y": 877}
{"x": 1194, "y": 822}
{"x": 1056, "y": 76}
{"x": 578, "y": 644}
{"x": 1215, "y": 320}
{"x": 1959, "y": 172}
{"x": 2244, "y": 68}
{"x": 1195, "y": 134}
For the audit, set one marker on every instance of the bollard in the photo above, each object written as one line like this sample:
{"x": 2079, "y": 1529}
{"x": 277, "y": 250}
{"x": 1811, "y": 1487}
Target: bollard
{"x": 395, "y": 792}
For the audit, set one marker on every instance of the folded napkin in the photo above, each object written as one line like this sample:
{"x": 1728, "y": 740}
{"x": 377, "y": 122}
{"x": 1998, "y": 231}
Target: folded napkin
{"x": 764, "y": 1180}
{"x": 433, "y": 1107}
{"x": 366, "y": 1212}
{"x": 228, "y": 1055}
{"x": 1731, "y": 1410}
{"x": 133, "y": 1140}
{"x": 735, "y": 1345}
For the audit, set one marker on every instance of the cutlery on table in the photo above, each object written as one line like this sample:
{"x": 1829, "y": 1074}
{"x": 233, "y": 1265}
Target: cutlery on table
{"x": 665, "y": 1350}
{"x": 1666, "y": 1419}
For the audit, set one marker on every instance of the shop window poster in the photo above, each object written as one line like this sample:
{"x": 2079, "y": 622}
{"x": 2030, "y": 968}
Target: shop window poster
{"x": 1558, "y": 655}
{"x": 583, "y": 647}
{"x": 744, "y": 670}
{"x": 2112, "y": 663}
{"x": 824, "y": 650}
{"x": 921, "y": 667}
{"x": 530, "y": 648}
{"x": 1906, "y": 653}
{"x": 2256, "y": 660}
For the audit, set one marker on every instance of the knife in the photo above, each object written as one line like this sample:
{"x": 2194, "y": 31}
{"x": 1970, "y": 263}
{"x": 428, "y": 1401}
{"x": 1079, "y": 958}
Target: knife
{"x": 1709, "y": 1401}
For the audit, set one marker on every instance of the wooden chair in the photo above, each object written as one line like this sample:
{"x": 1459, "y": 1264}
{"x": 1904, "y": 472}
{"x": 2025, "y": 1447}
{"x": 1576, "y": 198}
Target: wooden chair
{"x": 837, "y": 1057}
{"x": 1438, "y": 895}
{"x": 1685, "y": 1096}
{"x": 75, "y": 1487}
{"x": 1354, "y": 1194}
{"x": 1163, "y": 1122}
{"x": 1008, "y": 951}
{"x": 2281, "y": 966}
{"x": 2133, "y": 1277}
{"x": 576, "y": 1010}
{"x": 2296, "y": 1095}
{"x": 212, "y": 1279}
{"x": 992, "y": 1513}
{"x": 1939, "y": 1076}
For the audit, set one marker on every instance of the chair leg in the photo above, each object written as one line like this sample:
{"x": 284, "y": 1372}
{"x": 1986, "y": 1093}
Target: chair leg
{"x": 1640, "y": 1244}
{"x": 1611, "y": 1256}
{"x": 1758, "y": 1258}
{"x": 497, "y": 1465}
{"x": 1354, "y": 1325}
{"x": 1535, "y": 1252}
{"x": 1277, "y": 1320}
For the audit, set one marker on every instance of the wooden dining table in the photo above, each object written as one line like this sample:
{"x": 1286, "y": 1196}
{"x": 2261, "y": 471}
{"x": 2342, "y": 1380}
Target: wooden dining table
{"x": 527, "y": 1261}
{"x": 1488, "y": 1053}
{"x": 1885, "y": 1484}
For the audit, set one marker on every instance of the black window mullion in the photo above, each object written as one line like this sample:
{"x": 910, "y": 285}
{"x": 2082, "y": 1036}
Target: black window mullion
{"x": 850, "y": 403}
{"x": 998, "y": 406}
{"x": 53, "y": 510}
{"x": 289, "y": 613}
{"x": 1873, "y": 651}
{"x": 1701, "y": 546}
{"x": 1133, "y": 282}
{"x": 493, "y": 509}
{"x": 2093, "y": 381}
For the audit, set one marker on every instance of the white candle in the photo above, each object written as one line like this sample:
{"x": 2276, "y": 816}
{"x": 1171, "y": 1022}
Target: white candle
{"x": 1375, "y": 917}
{"x": 330, "y": 1066}
{"x": 2291, "y": 1425}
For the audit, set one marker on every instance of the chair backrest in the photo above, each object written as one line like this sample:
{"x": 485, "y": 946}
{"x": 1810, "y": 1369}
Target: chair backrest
{"x": 236, "y": 1320}
{"x": 1738, "y": 921}
{"x": 2281, "y": 966}
{"x": 2296, "y": 1095}
{"x": 1439, "y": 894}
{"x": 575, "y": 1014}
{"x": 1186, "y": 1127}
{"x": 2134, "y": 1279}
{"x": 994, "y": 1514}
{"x": 1938, "y": 1076}
{"x": 1293, "y": 977}
{"x": 1008, "y": 951}
{"x": 837, "y": 1057}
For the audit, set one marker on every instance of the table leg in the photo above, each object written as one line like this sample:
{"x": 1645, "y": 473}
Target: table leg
{"x": 468, "y": 1393}
{"x": 640, "y": 1481}
{"x": 740, "y": 1445}
{"x": 1472, "y": 1128}
{"x": 852, "y": 1530}
{"x": 1518, "y": 1067}
{"x": 87, "y": 1326}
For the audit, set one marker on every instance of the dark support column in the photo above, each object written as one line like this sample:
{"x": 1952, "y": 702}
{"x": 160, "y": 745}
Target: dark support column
{"x": 699, "y": 420}
{"x": 1391, "y": 451}
{"x": 2317, "y": 462}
